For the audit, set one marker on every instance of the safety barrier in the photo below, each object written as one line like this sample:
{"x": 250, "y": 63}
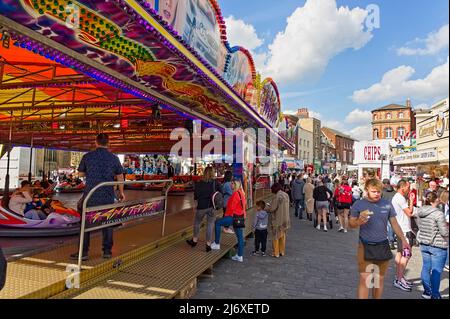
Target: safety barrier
{"x": 100, "y": 216}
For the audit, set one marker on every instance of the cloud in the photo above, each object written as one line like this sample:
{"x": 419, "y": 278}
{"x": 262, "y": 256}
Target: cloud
{"x": 314, "y": 114}
{"x": 397, "y": 85}
{"x": 315, "y": 33}
{"x": 242, "y": 34}
{"x": 434, "y": 43}
{"x": 358, "y": 116}
{"x": 361, "y": 133}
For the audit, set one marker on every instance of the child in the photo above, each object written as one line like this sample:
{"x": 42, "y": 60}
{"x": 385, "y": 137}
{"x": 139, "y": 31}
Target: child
{"x": 36, "y": 206}
{"x": 260, "y": 227}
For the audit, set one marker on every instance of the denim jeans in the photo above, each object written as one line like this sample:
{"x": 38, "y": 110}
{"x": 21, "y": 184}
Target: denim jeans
{"x": 107, "y": 240}
{"x": 433, "y": 264}
{"x": 226, "y": 222}
{"x": 35, "y": 215}
{"x": 299, "y": 205}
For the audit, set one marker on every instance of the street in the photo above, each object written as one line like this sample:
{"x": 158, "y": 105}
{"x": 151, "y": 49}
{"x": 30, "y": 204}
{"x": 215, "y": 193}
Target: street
{"x": 317, "y": 265}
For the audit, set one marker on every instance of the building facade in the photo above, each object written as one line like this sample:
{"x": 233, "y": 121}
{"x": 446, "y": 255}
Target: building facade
{"x": 431, "y": 159}
{"x": 313, "y": 125}
{"x": 344, "y": 148}
{"x": 393, "y": 121}
{"x": 305, "y": 145}
{"x": 328, "y": 155}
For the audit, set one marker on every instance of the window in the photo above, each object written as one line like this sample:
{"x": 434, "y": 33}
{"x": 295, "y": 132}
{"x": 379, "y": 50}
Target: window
{"x": 388, "y": 116}
{"x": 375, "y": 117}
{"x": 401, "y": 132}
{"x": 401, "y": 115}
{"x": 388, "y": 132}
{"x": 308, "y": 143}
{"x": 375, "y": 134}
{"x": 307, "y": 158}
{"x": 345, "y": 156}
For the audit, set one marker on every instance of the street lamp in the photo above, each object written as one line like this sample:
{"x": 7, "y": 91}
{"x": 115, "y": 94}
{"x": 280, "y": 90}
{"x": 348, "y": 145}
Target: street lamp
{"x": 383, "y": 157}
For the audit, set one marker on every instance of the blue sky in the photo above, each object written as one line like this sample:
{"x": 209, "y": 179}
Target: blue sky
{"x": 341, "y": 67}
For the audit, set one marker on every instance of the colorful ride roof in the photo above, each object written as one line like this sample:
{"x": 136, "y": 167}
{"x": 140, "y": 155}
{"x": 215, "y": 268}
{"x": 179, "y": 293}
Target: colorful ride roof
{"x": 76, "y": 68}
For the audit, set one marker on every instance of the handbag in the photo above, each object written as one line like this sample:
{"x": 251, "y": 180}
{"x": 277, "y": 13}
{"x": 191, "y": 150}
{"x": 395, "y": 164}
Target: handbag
{"x": 376, "y": 251}
{"x": 239, "y": 220}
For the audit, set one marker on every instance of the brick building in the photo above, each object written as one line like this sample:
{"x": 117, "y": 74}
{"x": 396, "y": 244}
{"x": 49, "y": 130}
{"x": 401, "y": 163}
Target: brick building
{"x": 392, "y": 121}
{"x": 343, "y": 147}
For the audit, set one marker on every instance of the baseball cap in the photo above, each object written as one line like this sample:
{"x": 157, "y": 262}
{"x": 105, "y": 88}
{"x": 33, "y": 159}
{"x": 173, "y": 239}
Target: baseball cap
{"x": 386, "y": 181}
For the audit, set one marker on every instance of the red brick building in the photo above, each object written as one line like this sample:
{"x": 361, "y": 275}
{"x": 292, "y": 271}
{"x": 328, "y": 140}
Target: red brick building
{"x": 392, "y": 121}
{"x": 343, "y": 146}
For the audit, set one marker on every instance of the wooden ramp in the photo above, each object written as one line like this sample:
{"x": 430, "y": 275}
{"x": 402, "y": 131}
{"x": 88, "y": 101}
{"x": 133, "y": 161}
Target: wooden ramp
{"x": 170, "y": 273}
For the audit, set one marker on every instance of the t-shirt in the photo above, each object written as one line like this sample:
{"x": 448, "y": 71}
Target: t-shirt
{"x": 376, "y": 228}
{"x": 100, "y": 166}
{"x": 399, "y": 203}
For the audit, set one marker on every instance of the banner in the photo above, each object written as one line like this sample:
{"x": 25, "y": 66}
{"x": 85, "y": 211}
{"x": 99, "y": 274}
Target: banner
{"x": 117, "y": 213}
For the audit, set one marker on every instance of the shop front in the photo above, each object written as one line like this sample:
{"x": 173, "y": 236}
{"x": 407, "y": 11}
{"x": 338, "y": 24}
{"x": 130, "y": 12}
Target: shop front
{"x": 373, "y": 158}
{"x": 430, "y": 162}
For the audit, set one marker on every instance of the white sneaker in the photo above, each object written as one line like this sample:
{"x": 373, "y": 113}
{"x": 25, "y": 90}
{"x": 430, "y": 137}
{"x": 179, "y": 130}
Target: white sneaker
{"x": 238, "y": 258}
{"x": 318, "y": 227}
{"x": 345, "y": 230}
{"x": 341, "y": 229}
{"x": 215, "y": 246}
{"x": 325, "y": 228}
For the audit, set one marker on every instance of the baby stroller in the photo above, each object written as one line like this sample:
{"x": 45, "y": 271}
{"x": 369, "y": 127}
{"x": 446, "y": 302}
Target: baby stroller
{"x": 316, "y": 218}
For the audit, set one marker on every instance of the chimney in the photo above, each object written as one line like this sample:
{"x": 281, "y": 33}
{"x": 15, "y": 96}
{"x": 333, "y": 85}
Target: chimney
{"x": 408, "y": 103}
{"x": 303, "y": 113}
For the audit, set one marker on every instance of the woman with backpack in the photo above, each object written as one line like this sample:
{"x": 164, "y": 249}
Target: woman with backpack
{"x": 236, "y": 212}
{"x": 203, "y": 194}
{"x": 344, "y": 200}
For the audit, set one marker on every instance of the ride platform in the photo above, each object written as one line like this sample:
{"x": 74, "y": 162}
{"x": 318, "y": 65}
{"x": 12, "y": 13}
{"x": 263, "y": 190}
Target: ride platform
{"x": 145, "y": 264}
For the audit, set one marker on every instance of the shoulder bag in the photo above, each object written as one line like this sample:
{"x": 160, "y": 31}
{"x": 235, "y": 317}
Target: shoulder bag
{"x": 239, "y": 220}
{"x": 376, "y": 251}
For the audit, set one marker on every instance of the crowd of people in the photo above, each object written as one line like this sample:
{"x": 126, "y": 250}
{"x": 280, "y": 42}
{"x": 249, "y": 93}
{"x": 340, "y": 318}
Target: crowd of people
{"x": 30, "y": 201}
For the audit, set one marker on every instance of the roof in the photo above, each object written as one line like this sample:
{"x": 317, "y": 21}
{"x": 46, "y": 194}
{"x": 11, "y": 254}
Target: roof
{"x": 392, "y": 107}
{"x": 335, "y": 132}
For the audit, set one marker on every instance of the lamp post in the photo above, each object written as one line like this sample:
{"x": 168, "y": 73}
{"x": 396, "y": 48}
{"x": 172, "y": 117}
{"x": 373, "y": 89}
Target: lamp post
{"x": 383, "y": 157}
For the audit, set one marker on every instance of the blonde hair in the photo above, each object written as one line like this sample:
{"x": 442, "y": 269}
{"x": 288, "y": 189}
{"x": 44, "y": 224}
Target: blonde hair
{"x": 444, "y": 197}
{"x": 208, "y": 174}
{"x": 375, "y": 183}
{"x": 237, "y": 184}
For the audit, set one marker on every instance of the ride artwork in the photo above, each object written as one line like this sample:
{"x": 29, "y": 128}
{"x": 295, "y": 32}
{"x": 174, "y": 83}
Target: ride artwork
{"x": 116, "y": 215}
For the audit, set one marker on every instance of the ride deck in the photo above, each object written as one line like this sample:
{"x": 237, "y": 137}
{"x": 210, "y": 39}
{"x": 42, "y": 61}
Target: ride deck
{"x": 147, "y": 265}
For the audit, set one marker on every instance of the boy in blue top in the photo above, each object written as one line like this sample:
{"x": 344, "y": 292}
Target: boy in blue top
{"x": 260, "y": 227}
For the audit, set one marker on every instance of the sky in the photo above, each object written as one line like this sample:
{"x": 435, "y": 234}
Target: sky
{"x": 344, "y": 58}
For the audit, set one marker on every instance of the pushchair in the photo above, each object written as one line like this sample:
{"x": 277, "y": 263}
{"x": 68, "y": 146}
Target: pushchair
{"x": 316, "y": 218}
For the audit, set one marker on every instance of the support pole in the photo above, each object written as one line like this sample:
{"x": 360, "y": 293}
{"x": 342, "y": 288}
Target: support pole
{"x": 5, "y": 199}
{"x": 31, "y": 160}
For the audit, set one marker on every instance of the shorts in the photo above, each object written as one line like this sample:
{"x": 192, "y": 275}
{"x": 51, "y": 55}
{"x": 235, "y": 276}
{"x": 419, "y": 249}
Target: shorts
{"x": 365, "y": 266}
{"x": 409, "y": 236}
{"x": 322, "y": 204}
{"x": 343, "y": 205}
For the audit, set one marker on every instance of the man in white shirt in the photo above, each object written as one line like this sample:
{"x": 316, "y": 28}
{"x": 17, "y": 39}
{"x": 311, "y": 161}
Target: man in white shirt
{"x": 404, "y": 213}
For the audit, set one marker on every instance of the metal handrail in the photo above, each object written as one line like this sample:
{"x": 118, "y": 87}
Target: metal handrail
{"x": 88, "y": 196}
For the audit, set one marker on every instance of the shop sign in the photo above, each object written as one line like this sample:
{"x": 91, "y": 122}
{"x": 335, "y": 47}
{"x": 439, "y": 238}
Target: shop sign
{"x": 424, "y": 156}
{"x": 369, "y": 152}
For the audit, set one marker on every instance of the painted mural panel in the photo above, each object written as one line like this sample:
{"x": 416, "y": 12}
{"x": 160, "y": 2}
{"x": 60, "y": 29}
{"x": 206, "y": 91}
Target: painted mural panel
{"x": 269, "y": 103}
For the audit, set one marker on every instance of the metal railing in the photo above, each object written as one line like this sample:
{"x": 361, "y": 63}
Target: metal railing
{"x": 83, "y": 229}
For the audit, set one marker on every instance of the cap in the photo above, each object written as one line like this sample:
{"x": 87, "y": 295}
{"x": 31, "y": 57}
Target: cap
{"x": 386, "y": 181}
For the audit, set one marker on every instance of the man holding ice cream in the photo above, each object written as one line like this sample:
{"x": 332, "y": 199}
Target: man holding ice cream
{"x": 371, "y": 215}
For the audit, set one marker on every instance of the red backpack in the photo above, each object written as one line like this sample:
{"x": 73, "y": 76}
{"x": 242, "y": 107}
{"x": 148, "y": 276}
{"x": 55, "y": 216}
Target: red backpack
{"x": 345, "y": 194}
